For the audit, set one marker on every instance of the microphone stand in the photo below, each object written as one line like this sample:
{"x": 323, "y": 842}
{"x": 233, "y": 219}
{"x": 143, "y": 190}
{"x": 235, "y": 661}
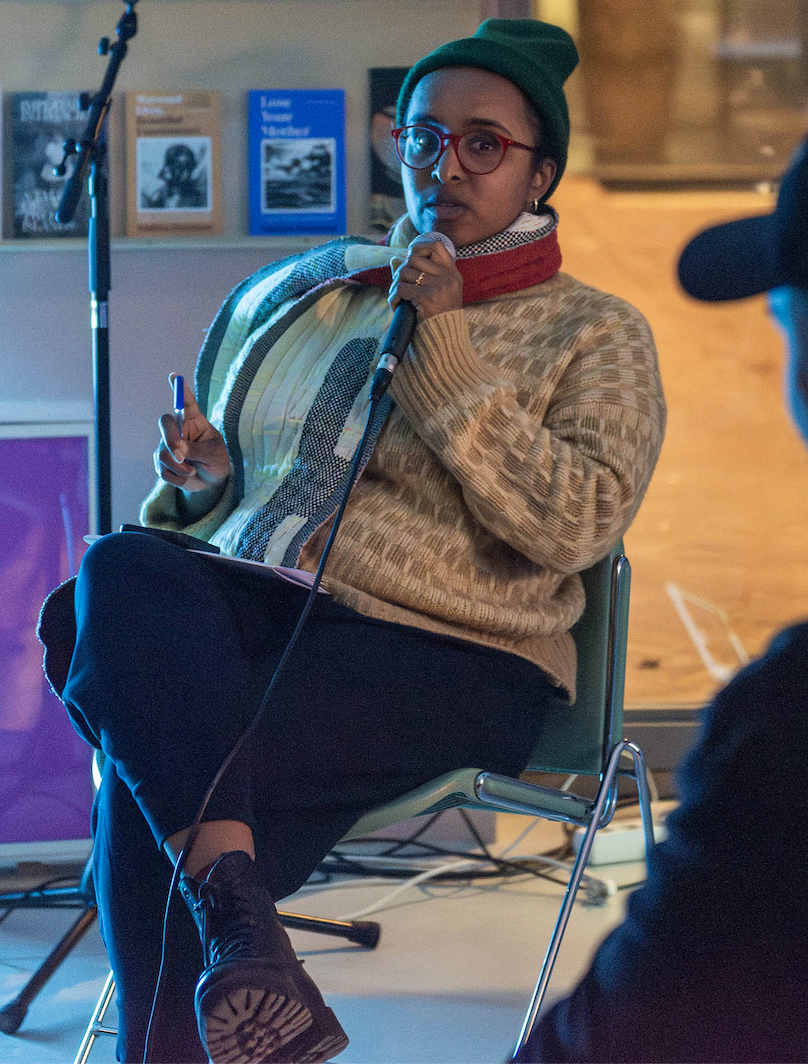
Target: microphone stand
{"x": 91, "y": 151}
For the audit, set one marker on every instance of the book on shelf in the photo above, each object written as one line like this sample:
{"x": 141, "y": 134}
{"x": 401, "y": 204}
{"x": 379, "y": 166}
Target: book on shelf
{"x": 296, "y": 161}
{"x": 40, "y": 124}
{"x": 173, "y": 163}
{"x": 386, "y": 191}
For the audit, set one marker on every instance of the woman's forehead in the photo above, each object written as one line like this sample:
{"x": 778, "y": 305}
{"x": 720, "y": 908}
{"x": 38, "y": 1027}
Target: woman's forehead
{"x": 468, "y": 93}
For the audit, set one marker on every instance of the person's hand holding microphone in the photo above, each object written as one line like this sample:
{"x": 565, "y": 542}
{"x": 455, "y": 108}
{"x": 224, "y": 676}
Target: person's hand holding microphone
{"x": 426, "y": 283}
{"x": 428, "y": 277}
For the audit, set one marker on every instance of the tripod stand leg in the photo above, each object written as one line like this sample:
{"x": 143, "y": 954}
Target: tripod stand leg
{"x": 12, "y": 1015}
{"x": 364, "y": 932}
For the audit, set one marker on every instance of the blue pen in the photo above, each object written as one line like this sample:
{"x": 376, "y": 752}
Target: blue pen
{"x": 179, "y": 403}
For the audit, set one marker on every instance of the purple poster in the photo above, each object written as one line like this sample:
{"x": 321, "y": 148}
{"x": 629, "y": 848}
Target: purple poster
{"x": 45, "y": 777}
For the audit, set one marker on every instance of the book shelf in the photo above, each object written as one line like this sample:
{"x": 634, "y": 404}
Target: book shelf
{"x": 274, "y": 247}
{"x": 228, "y": 47}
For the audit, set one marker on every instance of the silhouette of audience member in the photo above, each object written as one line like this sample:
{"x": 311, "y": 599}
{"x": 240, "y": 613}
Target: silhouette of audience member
{"x": 711, "y": 961}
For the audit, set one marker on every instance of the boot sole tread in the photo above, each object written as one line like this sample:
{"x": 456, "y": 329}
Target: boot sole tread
{"x": 241, "y": 1023}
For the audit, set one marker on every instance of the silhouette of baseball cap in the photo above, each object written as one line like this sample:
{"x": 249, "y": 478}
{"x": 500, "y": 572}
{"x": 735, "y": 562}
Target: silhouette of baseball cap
{"x": 752, "y": 255}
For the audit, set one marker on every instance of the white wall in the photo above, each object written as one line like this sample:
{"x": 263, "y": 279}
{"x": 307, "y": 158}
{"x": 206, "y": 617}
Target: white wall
{"x": 164, "y": 297}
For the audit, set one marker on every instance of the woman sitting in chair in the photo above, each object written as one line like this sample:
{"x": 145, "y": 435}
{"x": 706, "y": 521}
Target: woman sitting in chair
{"x": 527, "y": 419}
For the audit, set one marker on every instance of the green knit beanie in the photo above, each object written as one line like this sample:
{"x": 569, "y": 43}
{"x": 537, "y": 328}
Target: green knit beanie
{"x": 536, "y": 56}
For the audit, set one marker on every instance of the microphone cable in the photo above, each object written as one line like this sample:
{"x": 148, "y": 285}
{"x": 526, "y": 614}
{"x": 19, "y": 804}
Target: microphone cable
{"x": 379, "y": 384}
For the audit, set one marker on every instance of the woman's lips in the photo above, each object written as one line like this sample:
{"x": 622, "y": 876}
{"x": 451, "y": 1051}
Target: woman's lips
{"x": 446, "y": 211}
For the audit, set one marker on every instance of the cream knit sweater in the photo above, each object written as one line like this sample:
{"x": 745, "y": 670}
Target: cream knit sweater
{"x": 525, "y": 432}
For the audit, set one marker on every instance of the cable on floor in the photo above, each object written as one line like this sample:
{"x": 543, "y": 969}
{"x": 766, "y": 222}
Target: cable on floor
{"x": 452, "y": 866}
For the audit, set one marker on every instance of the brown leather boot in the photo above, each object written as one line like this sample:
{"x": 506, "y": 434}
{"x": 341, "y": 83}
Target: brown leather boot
{"x": 254, "y": 1003}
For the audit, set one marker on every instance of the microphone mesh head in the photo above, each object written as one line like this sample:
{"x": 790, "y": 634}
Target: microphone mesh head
{"x": 441, "y": 237}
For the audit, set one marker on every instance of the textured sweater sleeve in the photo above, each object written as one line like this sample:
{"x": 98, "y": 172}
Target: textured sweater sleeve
{"x": 560, "y": 480}
{"x": 162, "y": 508}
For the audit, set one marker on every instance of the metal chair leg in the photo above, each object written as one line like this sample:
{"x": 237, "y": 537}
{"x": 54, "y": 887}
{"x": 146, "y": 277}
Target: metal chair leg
{"x": 95, "y": 1027}
{"x": 607, "y": 785}
{"x": 640, "y": 774}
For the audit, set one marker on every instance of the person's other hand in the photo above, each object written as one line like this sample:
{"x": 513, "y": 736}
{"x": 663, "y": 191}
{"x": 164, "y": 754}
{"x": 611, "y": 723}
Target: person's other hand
{"x": 197, "y": 460}
{"x": 429, "y": 279}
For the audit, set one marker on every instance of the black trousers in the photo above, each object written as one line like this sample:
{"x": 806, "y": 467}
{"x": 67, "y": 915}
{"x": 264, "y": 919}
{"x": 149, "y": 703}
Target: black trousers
{"x": 172, "y": 658}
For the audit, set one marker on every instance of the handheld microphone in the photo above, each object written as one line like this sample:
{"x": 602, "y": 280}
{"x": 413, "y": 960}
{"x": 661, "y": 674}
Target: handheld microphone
{"x": 402, "y": 327}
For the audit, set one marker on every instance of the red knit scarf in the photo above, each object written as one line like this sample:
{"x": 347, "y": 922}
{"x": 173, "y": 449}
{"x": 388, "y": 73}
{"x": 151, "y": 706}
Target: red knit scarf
{"x": 492, "y": 273}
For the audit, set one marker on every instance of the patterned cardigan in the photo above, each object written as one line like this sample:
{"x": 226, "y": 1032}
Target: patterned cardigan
{"x": 522, "y": 438}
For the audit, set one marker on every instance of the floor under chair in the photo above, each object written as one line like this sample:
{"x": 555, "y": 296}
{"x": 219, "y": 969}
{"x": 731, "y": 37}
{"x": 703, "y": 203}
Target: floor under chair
{"x": 449, "y": 982}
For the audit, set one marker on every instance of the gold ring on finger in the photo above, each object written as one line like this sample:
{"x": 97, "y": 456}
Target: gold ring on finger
{"x": 420, "y": 278}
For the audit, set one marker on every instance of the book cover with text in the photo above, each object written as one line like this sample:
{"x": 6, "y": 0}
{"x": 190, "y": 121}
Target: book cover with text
{"x": 40, "y": 124}
{"x": 296, "y": 161}
{"x": 173, "y": 163}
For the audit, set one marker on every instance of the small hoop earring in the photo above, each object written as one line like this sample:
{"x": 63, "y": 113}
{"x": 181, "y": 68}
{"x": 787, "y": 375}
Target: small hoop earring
{"x": 535, "y": 205}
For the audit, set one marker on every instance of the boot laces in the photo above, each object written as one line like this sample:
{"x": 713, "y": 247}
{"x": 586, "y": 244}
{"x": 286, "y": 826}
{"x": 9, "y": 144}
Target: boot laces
{"x": 204, "y": 905}
{"x": 215, "y": 899}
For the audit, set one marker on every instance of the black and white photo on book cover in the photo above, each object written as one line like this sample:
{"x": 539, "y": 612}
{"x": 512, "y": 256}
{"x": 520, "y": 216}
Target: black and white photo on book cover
{"x": 298, "y": 174}
{"x": 174, "y": 174}
{"x": 40, "y": 124}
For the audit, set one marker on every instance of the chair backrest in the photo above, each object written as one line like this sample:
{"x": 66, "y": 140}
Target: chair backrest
{"x": 578, "y": 738}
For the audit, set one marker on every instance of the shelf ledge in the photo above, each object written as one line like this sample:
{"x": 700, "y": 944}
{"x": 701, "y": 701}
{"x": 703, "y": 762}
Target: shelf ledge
{"x": 290, "y": 244}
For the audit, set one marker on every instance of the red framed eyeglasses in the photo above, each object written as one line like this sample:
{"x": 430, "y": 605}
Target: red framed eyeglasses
{"x": 478, "y": 152}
